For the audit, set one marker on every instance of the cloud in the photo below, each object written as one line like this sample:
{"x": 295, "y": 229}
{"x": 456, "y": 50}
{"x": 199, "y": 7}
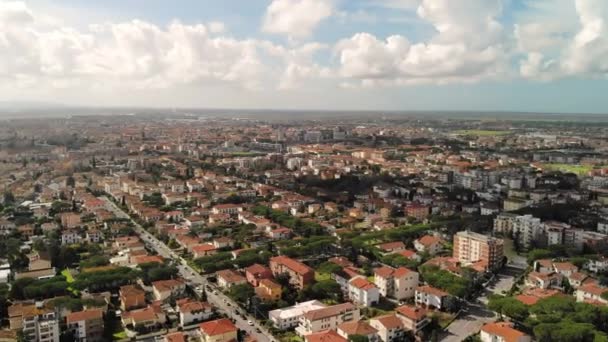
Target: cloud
{"x": 468, "y": 46}
{"x": 296, "y": 19}
{"x": 141, "y": 55}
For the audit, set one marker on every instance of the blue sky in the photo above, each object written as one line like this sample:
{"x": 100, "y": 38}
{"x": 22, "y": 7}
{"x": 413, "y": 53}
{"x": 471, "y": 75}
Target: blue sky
{"x": 523, "y": 55}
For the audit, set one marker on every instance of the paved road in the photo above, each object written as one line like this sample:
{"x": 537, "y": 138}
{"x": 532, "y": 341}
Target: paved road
{"x": 468, "y": 323}
{"x": 216, "y": 298}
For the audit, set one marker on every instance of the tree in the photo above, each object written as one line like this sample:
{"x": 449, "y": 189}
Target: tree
{"x": 326, "y": 289}
{"x": 509, "y": 307}
{"x": 9, "y": 198}
{"x": 241, "y": 293}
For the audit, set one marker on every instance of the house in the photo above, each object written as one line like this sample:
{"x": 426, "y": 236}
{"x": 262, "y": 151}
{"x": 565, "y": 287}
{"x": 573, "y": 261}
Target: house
{"x": 205, "y": 249}
{"x": 391, "y": 247}
{"x": 220, "y": 330}
{"x": 300, "y": 275}
{"x": 289, "y": 317}
{"x": 397, "y": 283}
{"x": 191, "y": 311}
{"x": 131, "y": 297}
{"x": 176, "y": 337}
{"x": 502, "y": 332}
{"x": 431, "y": 297}
{"x": 565, "y": 268}
{"x": 591, "y": 293}
{"x": 268, "y": 290}
{"x": 69, "y": 237}
{"x": 428, "y": 244}
{"x": 544, "y": 280}
{"x": 414, "y": 319}
{"x": 223, "y": 242}
{"x": 87, "y": 325}
{"x": 257, "y": 272}
{"x": 327, "y": 318}
{"x": 362, "y": 292}
{"x": 410, "y": 255}
{"x": 358, "y": 328}
{"x": 70, "y": 220}
{"x": 325, "y": 336}
{"x": 390, "y": 328}
{"x": 229, "y": 278}
{"x": 231, "y": 209}
{"x": 94, "y": 236}
{"x": 165, "y": 289}
{"x": 147, "y": 318}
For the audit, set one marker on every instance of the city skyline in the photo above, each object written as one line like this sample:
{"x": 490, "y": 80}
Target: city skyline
{"x": 509, "y": 55}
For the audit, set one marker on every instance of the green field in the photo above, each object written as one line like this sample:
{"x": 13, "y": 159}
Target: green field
{"x": 578, "y": 169}
{"x": 481, "y": 132}
{"x": 68, "y": 276}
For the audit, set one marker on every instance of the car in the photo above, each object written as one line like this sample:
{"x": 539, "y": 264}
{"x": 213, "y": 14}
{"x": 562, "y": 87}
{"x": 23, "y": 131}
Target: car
{"x": 250, "y": 322}
{"x": 258, "y": 330}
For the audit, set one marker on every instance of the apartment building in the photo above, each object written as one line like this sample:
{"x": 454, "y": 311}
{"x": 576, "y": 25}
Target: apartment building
{"x": 327, "y": 318}
{"x": 526, "y": 230}
{"x": 473, "y": 248}
{"x": 397, "y": 283}
{"x": 502, "y": 332}
{"x": 300, "y": 275}
{"x": 86, "y": 326}
{"x": 289, "y": 317}
{"x": 363, "y": 292}
{"x": 38, "y": 323}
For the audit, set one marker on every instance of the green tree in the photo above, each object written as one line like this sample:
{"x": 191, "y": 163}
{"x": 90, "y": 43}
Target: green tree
{"x": 241, "y": 293}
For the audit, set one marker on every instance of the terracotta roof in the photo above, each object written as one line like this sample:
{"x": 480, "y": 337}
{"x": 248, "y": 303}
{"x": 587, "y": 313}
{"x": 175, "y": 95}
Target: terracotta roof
{"x": 428, "y": 240}
{"x": 230, "y": 276}
{"x": 390, "y": 321}
{"x": 205, "y": 247}
{"x": 432, "y": 290}
{"x": 504, "y": 330}
{"x": 176, "y": 337}
{"x": 257, "y": 269}
{"x": 391, "y": 245}
{"x": 387, "y": 272}
{"x": 167, "y": 285}
{"x": 194, "y": 306}
{"x": 357, "y": 328}
{"x": 86, "y": 315}
{"x": 362, "y": 283}
{"x": 412, "y": 312}
{"x": 217, "y": 327}
{"x": 292, "y": 264}
{"x": 593, "y": 289}
{"x": 325, "y": 336}
{"x": 329, "y": 311}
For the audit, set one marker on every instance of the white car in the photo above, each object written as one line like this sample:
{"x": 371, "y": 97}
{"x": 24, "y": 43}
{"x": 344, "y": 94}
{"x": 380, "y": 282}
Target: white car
{"x": 250, "y": 322}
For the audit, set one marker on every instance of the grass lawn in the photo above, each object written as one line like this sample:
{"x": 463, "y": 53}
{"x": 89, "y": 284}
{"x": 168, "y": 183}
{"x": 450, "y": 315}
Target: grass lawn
{"x": 290, "y": 337}
{"x": 120, "y": 335}
{"x": 481, "y": 132}
{"x": 322, "y": 276}
{"x": 444, "y": 319}
{"x": 68, "y": 276}
{"x": 577, "y": 169}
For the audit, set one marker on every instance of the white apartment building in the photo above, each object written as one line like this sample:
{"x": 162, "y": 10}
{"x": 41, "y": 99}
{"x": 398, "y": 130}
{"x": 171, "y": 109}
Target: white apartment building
{"x": 362, "y": 292}
{"x": 527, "y": 229}
{"x": 327, "y": 318}
{"x": 289, "y": 317}
{"x": 397, "y": 283}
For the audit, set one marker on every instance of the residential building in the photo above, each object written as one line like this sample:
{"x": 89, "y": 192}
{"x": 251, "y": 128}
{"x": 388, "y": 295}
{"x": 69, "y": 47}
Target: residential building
{"x": 38, "y": 323}
{"x": 358, "y": 328}
{"x": 431, "y": 297}
{"x": 390, "y": 328}
{"x": 591, "y": 293}
{"x": 363, "y": 292}
{"x": 300, "y": 275}
{"x": 257, "y": 272}
{"x": 327, "y": 318}
{"x": 473, "y": 248}
{"x": 428, "y": 244}
{"x": 166, "y": 289}
{"x": 268, "y": 290}
{"x": 502, "y": 332}
{"x": 526, "y": 230}
{"x": 87, "y": 325}
{"x": 191, "y": 311}
{"x": 325, "y": 336}
{"x": 397, "y": 283}
{"x": 220, "y": 330}
{"x": 229, "y": 278}
{"x": 289, "y": 317}
{"x": 414, "y": 319}
{"x": 131, "y": 297}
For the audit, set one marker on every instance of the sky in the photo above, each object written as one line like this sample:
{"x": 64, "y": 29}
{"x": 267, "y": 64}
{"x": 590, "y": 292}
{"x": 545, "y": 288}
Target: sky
{"x": 498, "y": 55}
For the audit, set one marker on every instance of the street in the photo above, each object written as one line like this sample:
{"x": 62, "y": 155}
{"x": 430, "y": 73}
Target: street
{"x": 218, "y": 299}
{"x": 468, "y": 323}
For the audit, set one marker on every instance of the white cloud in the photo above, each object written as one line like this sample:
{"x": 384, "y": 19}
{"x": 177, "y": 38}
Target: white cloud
{"x": 141, "y": 55}
{"x": 469, "y": 46}
{"x": 296, "y": 19}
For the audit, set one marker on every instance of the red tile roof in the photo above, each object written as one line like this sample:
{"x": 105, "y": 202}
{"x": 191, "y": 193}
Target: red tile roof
{"x": 217, "y": 327}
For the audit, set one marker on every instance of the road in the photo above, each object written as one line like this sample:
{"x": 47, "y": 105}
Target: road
{"x": 218, "y": 299}
{"x": 469, "y": 322}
